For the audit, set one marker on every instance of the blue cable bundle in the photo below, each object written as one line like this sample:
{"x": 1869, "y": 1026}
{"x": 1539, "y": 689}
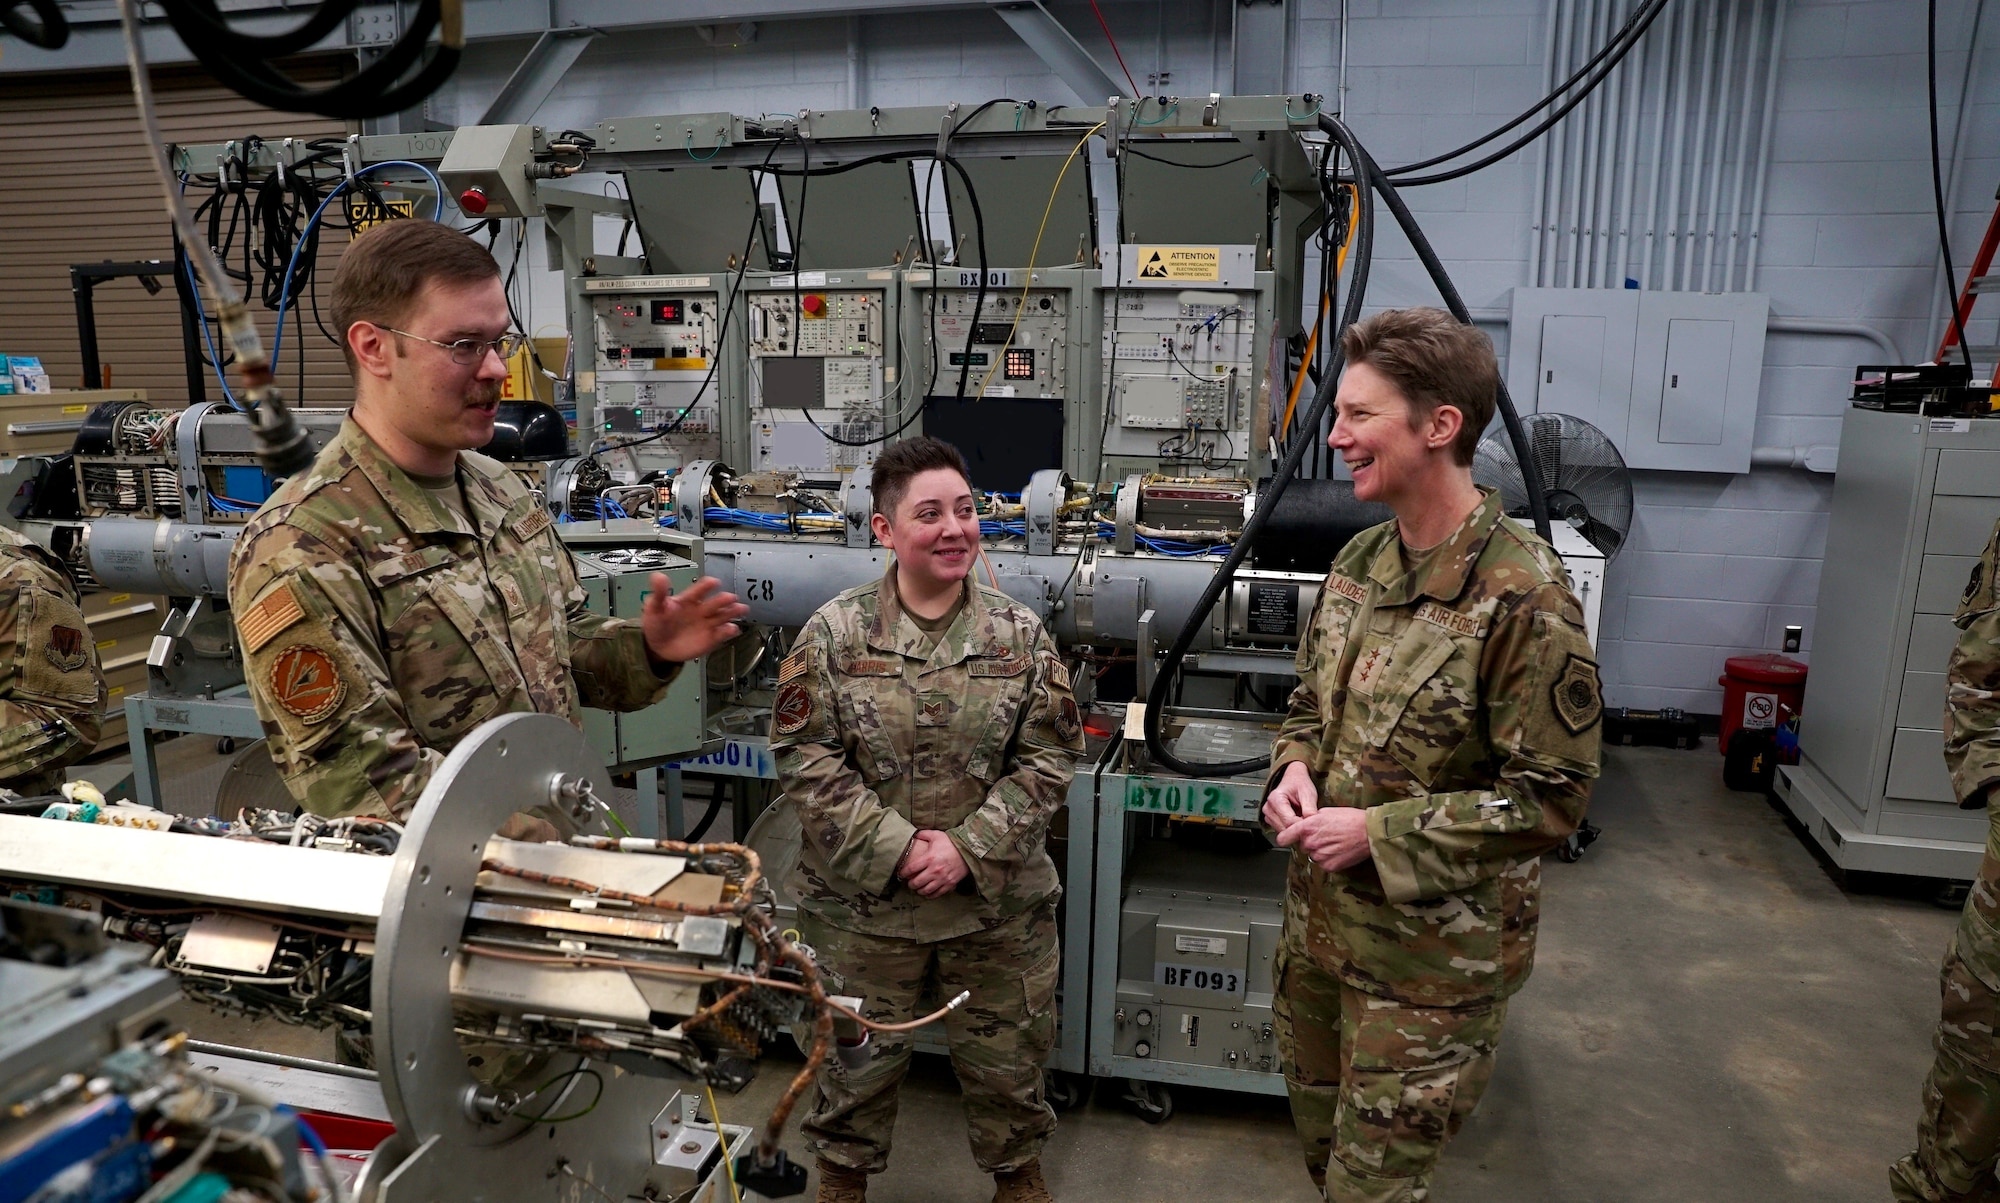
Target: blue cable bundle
{"x": 749, "y": 518}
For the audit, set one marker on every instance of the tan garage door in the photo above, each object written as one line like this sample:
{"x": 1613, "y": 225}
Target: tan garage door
{"x": 76, "y": 188}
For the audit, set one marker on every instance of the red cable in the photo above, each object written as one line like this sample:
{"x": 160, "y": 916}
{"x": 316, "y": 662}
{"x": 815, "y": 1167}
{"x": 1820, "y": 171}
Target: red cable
{"x": 1106, "y": 27}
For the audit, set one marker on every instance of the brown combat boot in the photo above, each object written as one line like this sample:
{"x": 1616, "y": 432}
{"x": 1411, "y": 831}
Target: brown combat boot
{"x": 838, "y": 1184}
{"x": 1024, "y": 1185}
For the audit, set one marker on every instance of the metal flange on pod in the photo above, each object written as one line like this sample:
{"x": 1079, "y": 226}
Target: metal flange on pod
{"x": 1043, "y": 501}
{"x": 1126, "y": 514}
{"x": 691, "y": 489}
{"x": 445, "y": 1147}
{"x": 857, "y": 506}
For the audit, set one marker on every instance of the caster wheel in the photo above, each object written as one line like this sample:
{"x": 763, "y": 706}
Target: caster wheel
{"x": 226, "y": 746}
{"x": 1951, "y": 895}
{"x": 1153, "y": 1101}
{"x": 1568, "y": 853}
{"x": 1065, "y": 1092}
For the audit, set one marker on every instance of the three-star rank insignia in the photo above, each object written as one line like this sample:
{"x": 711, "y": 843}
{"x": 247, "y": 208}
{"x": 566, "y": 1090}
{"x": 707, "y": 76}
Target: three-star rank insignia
{"x": 305, "y": 682}
{"x": 792, "y": 709}
{"x": 1576, "y": 696}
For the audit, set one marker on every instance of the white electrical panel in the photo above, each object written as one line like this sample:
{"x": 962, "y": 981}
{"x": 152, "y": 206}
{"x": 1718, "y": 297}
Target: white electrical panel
{"x": 653, "y": 352}
{"x": 1672, "y": 378}
{"x": 1019, "y": 343}
{"x": 816, "y": 375}
{"x": 1182, "y": 366}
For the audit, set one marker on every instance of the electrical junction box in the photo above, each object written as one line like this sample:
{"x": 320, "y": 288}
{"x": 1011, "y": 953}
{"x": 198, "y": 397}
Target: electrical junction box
{"x": 1671, "y": 378}
{"x": 493, "y": 159}
{"x": 1197, "y": 934}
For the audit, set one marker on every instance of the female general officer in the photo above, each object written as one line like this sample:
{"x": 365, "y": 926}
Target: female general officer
{"x": 925, "y": 730}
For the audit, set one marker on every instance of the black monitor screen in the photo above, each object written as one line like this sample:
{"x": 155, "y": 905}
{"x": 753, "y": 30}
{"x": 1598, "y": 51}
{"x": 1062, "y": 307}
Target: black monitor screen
{"x": 794, "y": 381}
{"x": 1004, "y": 440}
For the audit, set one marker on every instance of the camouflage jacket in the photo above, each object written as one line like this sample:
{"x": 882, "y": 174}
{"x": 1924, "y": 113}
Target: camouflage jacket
{"x": 1972, "y": 686}
{"x": 378, "y": 629}
{"x": 875, "y": 742}
{"x": 52, "y": 694}
{"x": 1460, "y": 708}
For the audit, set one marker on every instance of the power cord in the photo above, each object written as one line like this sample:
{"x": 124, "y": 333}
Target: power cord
{"x": 1937, "y": 189}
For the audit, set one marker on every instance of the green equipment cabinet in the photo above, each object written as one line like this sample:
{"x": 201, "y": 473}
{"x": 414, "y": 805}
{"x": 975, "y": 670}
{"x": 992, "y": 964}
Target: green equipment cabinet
{"x": 616, "y": 562}
{"x": 1187, "y": 908}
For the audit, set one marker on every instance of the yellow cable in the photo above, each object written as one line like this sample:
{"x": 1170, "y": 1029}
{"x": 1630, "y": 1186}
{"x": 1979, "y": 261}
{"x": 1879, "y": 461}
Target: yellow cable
{"x": 1325, "y": 299}
{"x": 1027, "y": 275}
{"x": 728, "y": 1166}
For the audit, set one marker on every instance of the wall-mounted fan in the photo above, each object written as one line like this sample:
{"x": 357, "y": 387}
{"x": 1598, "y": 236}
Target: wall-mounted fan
{"x": 1583, "y": 476}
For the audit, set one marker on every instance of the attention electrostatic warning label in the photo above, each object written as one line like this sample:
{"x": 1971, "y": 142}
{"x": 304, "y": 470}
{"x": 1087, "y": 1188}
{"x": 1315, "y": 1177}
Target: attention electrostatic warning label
{"x": 1197, "y": 264}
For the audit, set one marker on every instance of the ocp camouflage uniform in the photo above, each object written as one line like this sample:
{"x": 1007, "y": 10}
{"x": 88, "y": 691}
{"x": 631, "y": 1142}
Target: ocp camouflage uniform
{"x": 1456, "y": 701}
{"x": 379, "y": 626}
{"x": 875, "y": 739}
{"x": 1958, "y": 1136}
{"x": 51, "y": 688}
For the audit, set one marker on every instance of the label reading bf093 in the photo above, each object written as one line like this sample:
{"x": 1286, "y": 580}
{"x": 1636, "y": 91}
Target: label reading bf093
{"x": 1194, "y": 977}
{"x": 1212, "y": 945}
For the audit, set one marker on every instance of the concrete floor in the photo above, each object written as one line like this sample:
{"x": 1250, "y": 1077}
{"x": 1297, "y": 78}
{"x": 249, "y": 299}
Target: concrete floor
{"x": 1713, "y": 1017}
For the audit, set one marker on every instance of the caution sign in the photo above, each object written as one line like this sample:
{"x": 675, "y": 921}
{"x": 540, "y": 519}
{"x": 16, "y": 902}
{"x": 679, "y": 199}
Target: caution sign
{"x": 1192, "y": 264}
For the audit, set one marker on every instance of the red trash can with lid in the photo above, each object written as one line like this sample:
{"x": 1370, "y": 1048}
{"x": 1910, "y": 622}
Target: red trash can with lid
{"x": 1755, "y": 689}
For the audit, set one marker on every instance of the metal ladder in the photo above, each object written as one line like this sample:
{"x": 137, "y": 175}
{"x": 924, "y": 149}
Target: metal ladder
{"x": 1978, "y": 279}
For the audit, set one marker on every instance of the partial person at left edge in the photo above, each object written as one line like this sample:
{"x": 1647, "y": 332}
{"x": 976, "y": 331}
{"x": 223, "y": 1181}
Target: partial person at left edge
{"x": 405, "y": 589}
{"x": 51, "y": 687}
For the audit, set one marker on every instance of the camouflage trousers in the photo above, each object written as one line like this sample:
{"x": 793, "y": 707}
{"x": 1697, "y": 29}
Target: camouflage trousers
{"x": 1958, "y": 1135}
{"x": 1377, "y": 1086}
{"x": 999, "y": 1038}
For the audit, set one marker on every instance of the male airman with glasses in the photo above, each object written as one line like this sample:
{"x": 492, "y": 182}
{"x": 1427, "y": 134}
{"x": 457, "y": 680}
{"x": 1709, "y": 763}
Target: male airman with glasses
{"x": 405, "y": 589}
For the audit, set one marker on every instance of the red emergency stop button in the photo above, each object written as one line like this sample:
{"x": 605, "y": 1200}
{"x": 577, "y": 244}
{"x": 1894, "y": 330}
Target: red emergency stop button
{"x": 473, "y": 200}
{"x": 814, "y": 305}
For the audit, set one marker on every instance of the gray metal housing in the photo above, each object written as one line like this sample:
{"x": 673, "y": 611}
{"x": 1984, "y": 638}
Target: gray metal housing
{"x": 1913, "y": 506}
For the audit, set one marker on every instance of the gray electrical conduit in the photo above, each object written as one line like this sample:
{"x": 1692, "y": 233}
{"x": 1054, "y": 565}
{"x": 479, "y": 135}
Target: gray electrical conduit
{"x": 1368, "y": 178}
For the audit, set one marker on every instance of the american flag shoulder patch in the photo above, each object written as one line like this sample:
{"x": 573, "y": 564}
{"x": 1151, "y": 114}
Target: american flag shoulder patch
{"x": 274, "y": 614}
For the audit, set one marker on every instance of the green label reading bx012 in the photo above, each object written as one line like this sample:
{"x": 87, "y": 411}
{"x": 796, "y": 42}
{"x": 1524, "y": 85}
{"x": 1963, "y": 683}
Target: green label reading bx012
{"x": 1193, "y": 799}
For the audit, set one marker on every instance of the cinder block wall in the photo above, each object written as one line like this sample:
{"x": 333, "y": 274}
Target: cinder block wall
{"x": 1717, "y": 565}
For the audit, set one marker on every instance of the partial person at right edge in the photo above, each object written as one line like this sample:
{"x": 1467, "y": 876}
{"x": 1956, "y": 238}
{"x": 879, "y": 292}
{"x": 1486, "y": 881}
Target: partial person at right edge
{"x": 1442, "y": 737}
{"x": 1958, "y": 1131}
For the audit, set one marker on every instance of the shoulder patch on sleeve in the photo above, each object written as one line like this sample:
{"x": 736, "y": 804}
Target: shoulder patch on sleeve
{"x": 1069, "y": 724}
{"x": 793, "y": 668}
{"x": 66, "y": 649}
{"x": 532, "y": 524}
{"x": 1576, "y": 696}
{"x": 792, "y": 709}
{"x": 1058, "y": 673}
{"x": 274, "y": 614}
{"x": 304, "y": 680}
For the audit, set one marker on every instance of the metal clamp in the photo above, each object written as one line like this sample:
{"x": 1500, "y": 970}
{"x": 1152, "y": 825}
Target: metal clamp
{"x": 857, "y": 504}
{"x": 944, "y": 130}
{"x": 574, "y": 796}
